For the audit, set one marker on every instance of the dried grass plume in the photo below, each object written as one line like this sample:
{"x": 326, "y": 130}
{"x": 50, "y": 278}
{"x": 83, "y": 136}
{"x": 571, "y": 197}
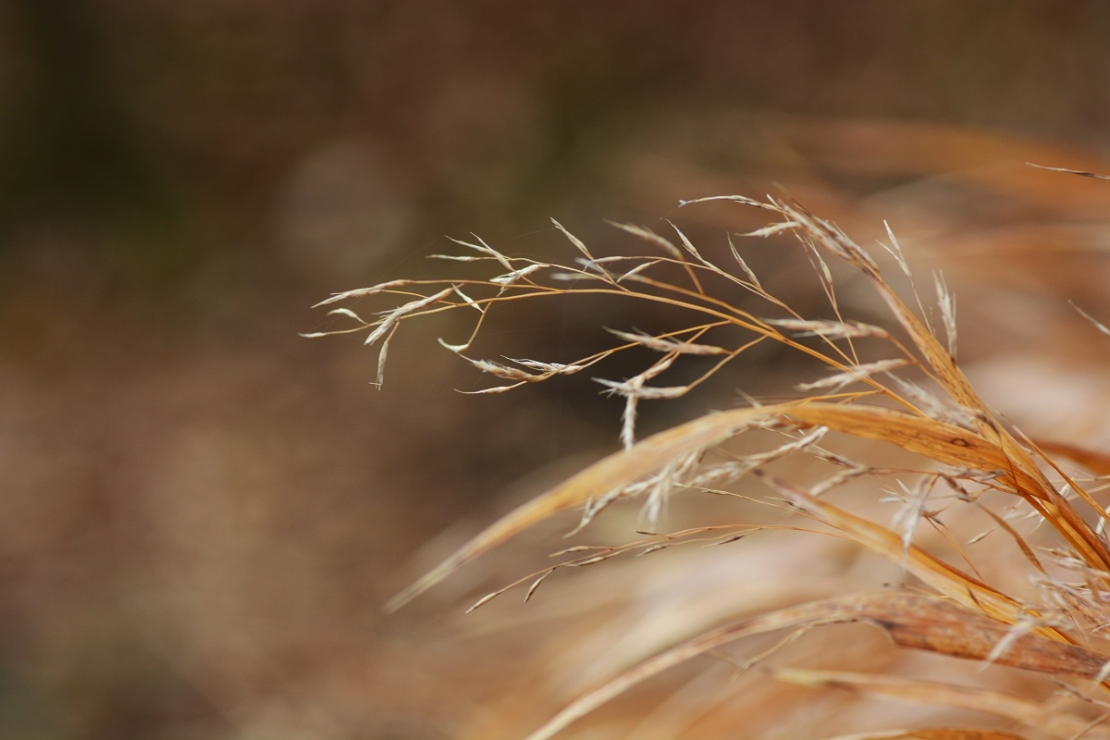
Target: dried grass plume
{"x": 898, "y": 384}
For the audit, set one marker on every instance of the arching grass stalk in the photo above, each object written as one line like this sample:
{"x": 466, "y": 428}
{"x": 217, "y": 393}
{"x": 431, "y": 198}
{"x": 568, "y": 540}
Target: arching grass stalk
{"x": 914, "y": 396}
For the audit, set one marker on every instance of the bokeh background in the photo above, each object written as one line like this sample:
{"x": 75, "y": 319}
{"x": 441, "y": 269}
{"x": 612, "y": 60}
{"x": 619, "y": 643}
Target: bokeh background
{"x": 201, "y": 512}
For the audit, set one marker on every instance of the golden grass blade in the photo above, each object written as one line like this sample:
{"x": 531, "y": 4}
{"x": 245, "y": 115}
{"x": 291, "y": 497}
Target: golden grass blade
{"x": 953, "y": 445}
{"x": 911, "y": 620}
{"x": 945, "y": 443}
{"x": 609, "y": 474}
{"x": 944, "y": 578}
{"x": 1029, "y": 713}
{"x": 1094, "y": 460}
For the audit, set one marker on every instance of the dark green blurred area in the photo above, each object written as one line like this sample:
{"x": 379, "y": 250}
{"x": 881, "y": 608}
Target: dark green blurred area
{"x": 160, "y": 138}
{"x": 200, "y": 512}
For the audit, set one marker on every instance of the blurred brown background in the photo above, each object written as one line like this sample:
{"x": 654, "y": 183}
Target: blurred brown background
{"x": 201, "y": 512}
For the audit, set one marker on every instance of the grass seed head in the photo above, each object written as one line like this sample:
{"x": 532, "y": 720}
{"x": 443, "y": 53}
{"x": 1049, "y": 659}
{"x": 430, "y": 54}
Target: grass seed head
{"x": 913, "y": 397}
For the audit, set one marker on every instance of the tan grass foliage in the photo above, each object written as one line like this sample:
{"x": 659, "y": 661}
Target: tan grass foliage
{"x": 899, "y": 385}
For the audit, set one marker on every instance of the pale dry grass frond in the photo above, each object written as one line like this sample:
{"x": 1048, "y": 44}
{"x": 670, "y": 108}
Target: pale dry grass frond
{"x": 899, "y": 385}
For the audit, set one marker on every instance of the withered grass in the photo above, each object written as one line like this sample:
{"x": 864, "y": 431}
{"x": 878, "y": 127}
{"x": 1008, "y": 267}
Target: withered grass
{"x": 899, "y": 384}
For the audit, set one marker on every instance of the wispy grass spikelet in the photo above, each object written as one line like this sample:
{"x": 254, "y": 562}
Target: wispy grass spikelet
{"x": 897, "y": 384}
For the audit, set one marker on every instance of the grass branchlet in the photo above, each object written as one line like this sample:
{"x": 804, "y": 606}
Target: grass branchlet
{"x": 906, "y": 389}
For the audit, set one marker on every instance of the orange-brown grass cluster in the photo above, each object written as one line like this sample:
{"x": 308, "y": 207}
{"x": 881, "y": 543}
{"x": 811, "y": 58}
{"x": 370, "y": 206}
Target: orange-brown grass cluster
{"x": 975, "y": 493}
